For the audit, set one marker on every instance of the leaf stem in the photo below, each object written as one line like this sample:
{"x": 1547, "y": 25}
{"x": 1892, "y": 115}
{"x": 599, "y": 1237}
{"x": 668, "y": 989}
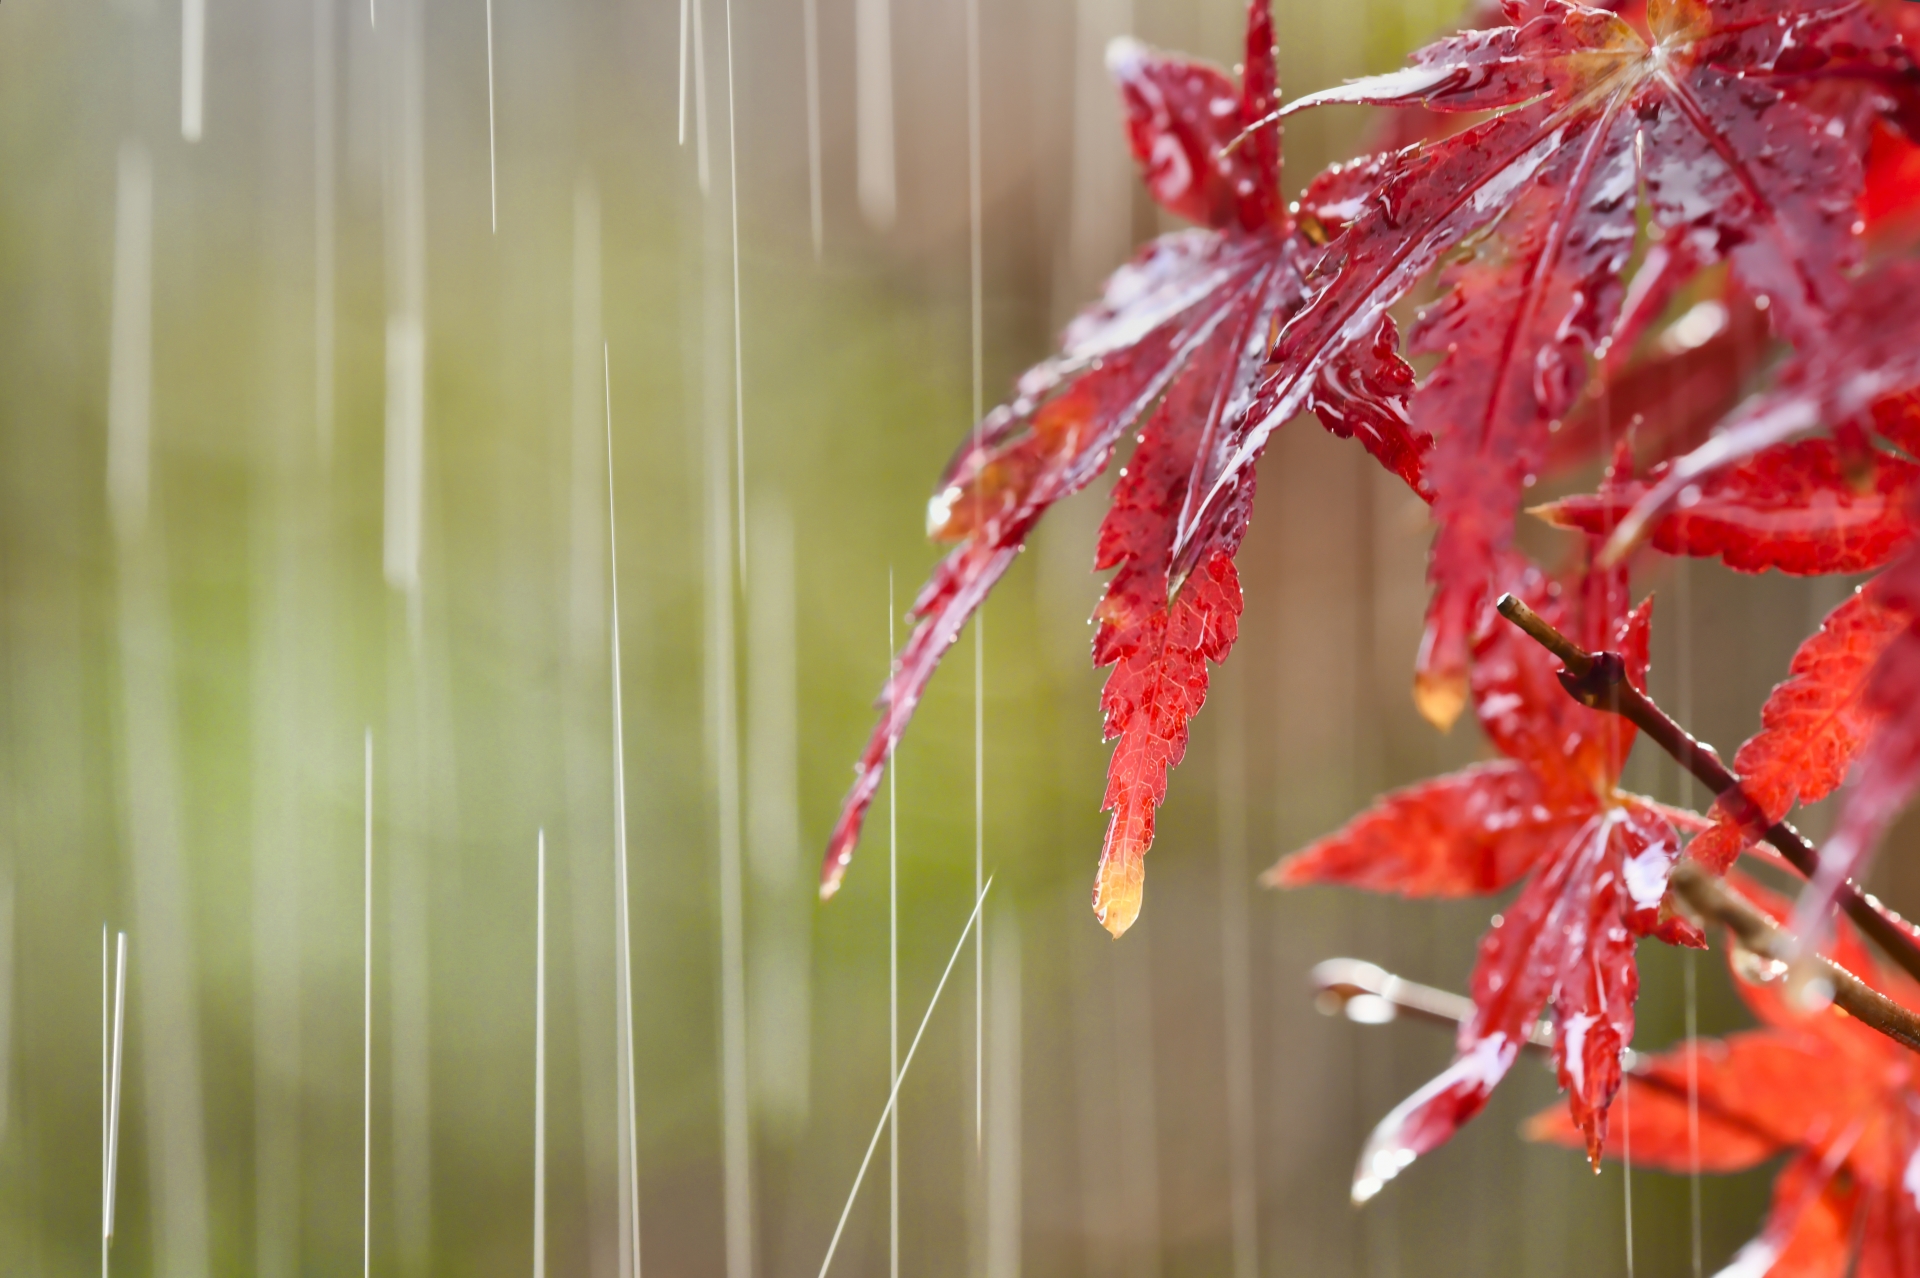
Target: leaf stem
{"x": 1598, "y": 680}
{"x": 1339, "y": 985}
{"x": 1339, "y": 982}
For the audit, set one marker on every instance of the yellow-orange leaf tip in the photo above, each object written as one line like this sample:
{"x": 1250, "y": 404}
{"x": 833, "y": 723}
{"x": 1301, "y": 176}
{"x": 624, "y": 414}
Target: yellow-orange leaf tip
{"x": 1440, "y": 697}
{"x": 1116, "y": 893}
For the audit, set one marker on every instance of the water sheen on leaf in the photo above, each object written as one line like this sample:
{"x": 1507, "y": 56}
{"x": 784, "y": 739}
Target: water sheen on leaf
{"x": 1598, "y": 124}
{"x": 1793, "y": 507}
{"x": 1185, "y": 327}
{"x": 1863, "y": 376}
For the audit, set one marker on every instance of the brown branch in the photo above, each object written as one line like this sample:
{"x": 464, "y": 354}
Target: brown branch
{"x": 1599, "y": 680}
{"x": 1710, "y": 897}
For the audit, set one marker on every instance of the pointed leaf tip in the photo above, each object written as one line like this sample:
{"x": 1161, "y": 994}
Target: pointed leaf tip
{"x": 1117, "y": 890}
{"x": 1425, "y": 1120}
{"x": 1440, "y": 697}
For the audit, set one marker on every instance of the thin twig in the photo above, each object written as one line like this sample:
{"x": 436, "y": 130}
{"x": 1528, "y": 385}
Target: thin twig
{"x": 1368, "y": 993}
{"x": 1599, "y": 680}
{"x": 1709, "y": 896}
{"x": 1341, "y": 984}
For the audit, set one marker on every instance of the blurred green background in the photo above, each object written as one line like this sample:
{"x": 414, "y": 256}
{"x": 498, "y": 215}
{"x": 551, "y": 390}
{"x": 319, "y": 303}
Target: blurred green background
{"x": 217, "y": 358}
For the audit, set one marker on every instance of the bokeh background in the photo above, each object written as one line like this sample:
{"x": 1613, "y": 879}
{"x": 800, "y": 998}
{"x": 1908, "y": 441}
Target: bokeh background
{"x": 303, "y": 439}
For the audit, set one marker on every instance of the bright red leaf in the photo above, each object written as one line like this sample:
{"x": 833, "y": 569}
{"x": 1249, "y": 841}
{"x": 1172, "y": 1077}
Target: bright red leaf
{"x": 1812, "y": 726}
{"x": 1837, "y": 1097}
{"x": 1472, "y": 832}
{"x": 1596, "y": 862}
{"x": 1792, "y": 507}
{"x": 1890, "y": 197}
{"x": 1159, "y": 649}
{"x": 1889, "y": 763}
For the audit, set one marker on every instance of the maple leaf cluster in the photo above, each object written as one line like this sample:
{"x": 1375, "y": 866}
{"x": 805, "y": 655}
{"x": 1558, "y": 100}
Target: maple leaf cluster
{"x": 1595, "y": 859}
{"x": 1177, "y": 346}
{"x": 1672, "y": 238}
{"x": 1840, "y": 1101}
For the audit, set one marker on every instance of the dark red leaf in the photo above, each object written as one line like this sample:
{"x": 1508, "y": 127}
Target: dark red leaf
{"x": 1666, "y": 402}
{"x": 1117, "y": 358}
{"x": 1865, "y": 369}
{"x": 1364, "y": 395}
{"x": 1181, "y": 117}
{"x": 1594, "y": 115}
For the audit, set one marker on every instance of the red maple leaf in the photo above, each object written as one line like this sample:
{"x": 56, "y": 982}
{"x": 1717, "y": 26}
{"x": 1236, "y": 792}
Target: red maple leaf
{"x": 1185, "y": 325}
{"x": 1793, "y": 507}
{"x": 1703, "y": 122}
{"x": 1888, "y": 772}
{"x": 1835, "y": 1096}
{"x": 1159, "y": 648}
{"x": 1596, "y": 862}
{"x": 1860, "y": 377}
{"x": 1664, "y": 394}
{"x": 1812, "y": 726}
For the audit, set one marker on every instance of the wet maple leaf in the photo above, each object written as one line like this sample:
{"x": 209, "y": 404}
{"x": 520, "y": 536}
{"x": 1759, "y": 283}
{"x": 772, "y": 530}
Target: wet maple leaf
{"x": 1159, "y": 648}
{"x": 1812, "y": 726}
{"x": 1861, "y": 376}
{"x": 1665, "y": 399}
{"x": 1888, "y": 772}
{"x": 1595, "y": 862}
{"x": 1598, "y": 123}
{"x": 1184, "y": 325}
{"x": 1793, "y": 507}
{"x": 1837, "y": 1098}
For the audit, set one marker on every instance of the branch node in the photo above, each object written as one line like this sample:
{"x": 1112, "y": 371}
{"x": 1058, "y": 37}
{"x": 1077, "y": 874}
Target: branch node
{"x": 1598, "y": 681}
{"x": 1599, "y": 687}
